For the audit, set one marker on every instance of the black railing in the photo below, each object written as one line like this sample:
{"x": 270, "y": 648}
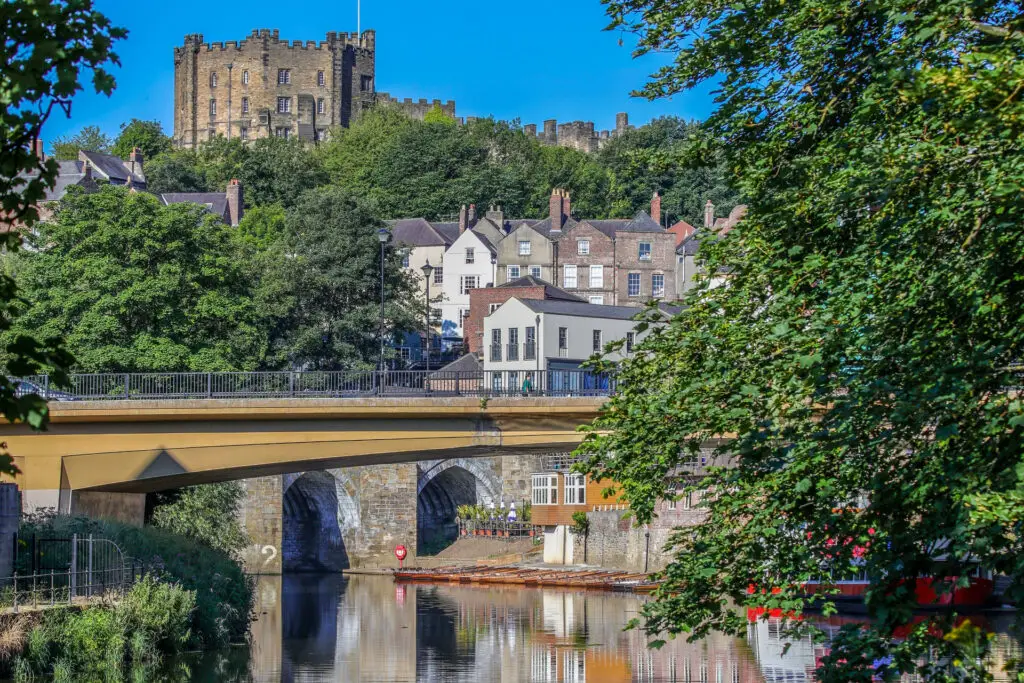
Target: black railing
{"x": 339, "y": 384}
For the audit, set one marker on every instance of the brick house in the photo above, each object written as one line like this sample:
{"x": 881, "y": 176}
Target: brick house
{"x": 482, "y": 302}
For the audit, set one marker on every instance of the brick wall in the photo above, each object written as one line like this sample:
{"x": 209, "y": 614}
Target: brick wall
{"x": 663, "y": 253}
{"x": 602, "y": 252}
{"x": 480, "y": 301}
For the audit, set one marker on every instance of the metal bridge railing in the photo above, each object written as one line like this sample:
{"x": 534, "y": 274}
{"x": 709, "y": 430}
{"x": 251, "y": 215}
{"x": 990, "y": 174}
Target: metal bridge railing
{"x": 337, "y": 384}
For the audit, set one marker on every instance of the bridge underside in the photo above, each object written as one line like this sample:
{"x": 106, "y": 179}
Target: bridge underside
{"x": 140, "y": 447}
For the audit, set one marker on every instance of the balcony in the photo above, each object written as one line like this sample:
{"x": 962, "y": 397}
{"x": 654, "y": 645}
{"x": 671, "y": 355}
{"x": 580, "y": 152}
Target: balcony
{"x": 496, "y": 352}
{"x": 512, "y": 352}
{"x": 530, "y": 351}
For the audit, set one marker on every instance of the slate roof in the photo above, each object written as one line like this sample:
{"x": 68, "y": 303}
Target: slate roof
{"x": 608, "y": 226}
{"x": 580, "y": 309}
{"x": 215, "y": 202}
{"x": 419, "y": 232}
{"x": 642, "y": 222}
{"x": 111, "y": 167}
{"x": 550, "y": 290}
{"x": 466, "y": 363}
{"x": 689, "y": 246}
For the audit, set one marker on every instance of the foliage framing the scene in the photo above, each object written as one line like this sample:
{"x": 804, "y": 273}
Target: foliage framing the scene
{"x": 46, "y": 45}
{"x": 860, "y": 355}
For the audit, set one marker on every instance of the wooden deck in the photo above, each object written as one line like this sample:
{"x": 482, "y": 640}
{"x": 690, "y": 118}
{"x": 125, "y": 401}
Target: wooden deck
{"x": 591, "y": 579}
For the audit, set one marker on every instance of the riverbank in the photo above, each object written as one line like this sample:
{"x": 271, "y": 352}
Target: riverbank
{"x": 182, "y": 595}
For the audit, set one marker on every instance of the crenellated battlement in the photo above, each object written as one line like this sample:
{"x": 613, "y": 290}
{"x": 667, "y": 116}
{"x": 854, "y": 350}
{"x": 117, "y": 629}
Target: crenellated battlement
{"x": 265, "y": 36}
{"x": 581, "y": 135}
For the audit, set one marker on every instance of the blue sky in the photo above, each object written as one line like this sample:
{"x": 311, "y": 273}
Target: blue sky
{"x": 531, "y": 60}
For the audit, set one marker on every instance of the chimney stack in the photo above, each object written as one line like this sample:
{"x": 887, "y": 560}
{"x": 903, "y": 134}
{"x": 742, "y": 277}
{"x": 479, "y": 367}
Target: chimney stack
{"x": 135, "y": 162}
{"x": 656, "y": 208}
{"x": 496, "y": 216}
{"x": 462, "y": 219}
{"x": 709, "y": 215}
{"x": 557, "y": 206}
{"x": 235, "y": 202}
{"x": 37, "y": 149}
{"x": 86, "y": 170}
{"x": 472, "y": 215}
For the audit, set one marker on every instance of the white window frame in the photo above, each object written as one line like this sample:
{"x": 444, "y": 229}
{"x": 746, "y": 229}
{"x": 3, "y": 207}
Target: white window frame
{"x": 439, "y": 275}
{"x": 284, "y": 76}
{"x": 597, "y": 339}
{"x": 284, "y": 105}
{"x": 535, "y": 271}
{"x": 644, "y": 254}
{"x": 597, "y": 300}
{"x": 544, "y": 489}
{"x": 597, "y": 277}
{"x": 528, "y": 247}
{"x": 466, "y": 278}
{"x": 245, "y": 78}
{"x": 320, "y": 107}
{"x": 213, "y": 108}
{"x": 656, "y": 291}
{"x": 582, "y": 247}
{"x": 321, "y": 79}
{"x": 245, "y": 105}
{"x": 243, "y": 133}
{"x": 574, "y": 489}
{"x": 470, "y": 255}
{"x": 513, "y": 273}
{"x": 491, "y": 308}
{"x": 213, "y": 79}
{"x": 630, "y": 341}
{"x": 569, "y": 281}
{"x": 629, "y": 284}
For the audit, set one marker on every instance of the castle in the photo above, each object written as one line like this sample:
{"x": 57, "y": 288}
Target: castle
{"x": 262, "y": 86}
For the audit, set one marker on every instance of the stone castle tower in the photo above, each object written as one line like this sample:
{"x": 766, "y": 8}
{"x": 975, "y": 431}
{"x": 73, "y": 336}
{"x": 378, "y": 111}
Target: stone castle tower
{"x": 264, "y": 86}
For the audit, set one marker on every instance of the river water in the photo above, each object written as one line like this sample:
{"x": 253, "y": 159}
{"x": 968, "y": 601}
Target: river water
{"x": 363, "y": 629}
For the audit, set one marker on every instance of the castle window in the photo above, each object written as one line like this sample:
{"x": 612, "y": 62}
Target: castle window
{"x": 320, "y": 80}
{"x": 245, "y": 105}
{"x": 213, "y": 79}
{"x": 366, "y": 83}
{"x": 284, "y": 76}
{"x": 284, "y": 105}
{"x": 282, "y": 132}
{"x": 245, "y": 78}
{"x": 213, "y": 108}
{"x": 243, "y": 133}
{"x": 320, "y": 106}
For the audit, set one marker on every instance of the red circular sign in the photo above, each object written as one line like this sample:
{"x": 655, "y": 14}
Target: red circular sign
{"x": 400, "y": 552}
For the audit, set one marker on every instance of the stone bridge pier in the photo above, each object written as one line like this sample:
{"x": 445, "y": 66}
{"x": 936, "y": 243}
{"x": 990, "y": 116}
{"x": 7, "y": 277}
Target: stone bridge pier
{"x": 342, "y": 518}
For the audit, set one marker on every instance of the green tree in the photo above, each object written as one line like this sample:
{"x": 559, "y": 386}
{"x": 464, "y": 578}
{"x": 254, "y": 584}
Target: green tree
{"x": 863, "y": 345}
{"x": 148, "y": 136}
{"x": 90, "y": 139}
{"x": 437, "y": 115}
{"x": 177, "y": 171}
{"x": 669, "y": 156}
{"x": 135, "y": 286}
{"x": 46, "y": 44}
{"x": 333, "y": 273}
{"x": 207, "y": 513}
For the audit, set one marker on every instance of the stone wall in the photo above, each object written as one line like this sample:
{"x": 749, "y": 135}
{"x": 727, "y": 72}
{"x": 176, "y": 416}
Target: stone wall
{"x": 260, "y": 518}
{"x": 613, "y": 541}
{"x": 416, "y": 109}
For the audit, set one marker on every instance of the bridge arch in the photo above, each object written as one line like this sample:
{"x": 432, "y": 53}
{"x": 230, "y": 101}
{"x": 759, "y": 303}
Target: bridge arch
{"x": 444, "y": 485}
{"x": 319, "y": 510}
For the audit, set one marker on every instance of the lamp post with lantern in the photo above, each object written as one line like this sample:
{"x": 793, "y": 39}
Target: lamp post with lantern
{"x": 428, "y": 270}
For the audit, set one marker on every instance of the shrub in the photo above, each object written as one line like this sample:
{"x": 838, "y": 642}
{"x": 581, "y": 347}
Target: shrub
{"x": 223, "y": 593}
{"x": 162, "y": 612}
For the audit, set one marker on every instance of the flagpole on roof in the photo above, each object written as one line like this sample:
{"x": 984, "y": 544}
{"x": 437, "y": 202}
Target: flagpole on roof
{"x": 359, "y": 20}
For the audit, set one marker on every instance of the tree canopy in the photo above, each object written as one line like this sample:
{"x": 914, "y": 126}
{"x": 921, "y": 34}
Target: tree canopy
{"x": 89, "y": 138}
{"x": 859, "y": 357}
{"x": 46, "y": 45}
{"x": 147, "y": 136}
{"x": 135, "y": 286}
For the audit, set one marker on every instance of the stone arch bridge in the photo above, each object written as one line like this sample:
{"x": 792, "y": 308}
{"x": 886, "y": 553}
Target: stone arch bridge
{"x": 99, "y": 457}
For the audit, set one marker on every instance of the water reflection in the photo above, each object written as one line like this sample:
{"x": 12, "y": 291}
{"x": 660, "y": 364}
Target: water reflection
{"x": 366, "y": 628}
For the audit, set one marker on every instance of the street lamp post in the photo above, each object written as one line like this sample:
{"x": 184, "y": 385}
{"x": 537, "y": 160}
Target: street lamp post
{"x": 382, "y": 236}
{"x": 427, "y": 271}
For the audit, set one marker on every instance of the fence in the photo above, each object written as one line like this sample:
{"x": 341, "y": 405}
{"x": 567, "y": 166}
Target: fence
{"x": 499, "y": 528}
{"x": 59, "y": 570}
{"x": 336, "y": 384}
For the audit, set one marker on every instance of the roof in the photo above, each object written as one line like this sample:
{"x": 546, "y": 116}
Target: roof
{"x": 689, "y": 246}
{"x": 111, "y": 167}
{"x": 215, "y": 202}
{"x": 466, "y": 363}
{"x": 682, "y": 230}
{"x": 550, "y": 290}
{"x": 581, "y": 309}
{"x": 418, "y": 232}
{"x": 544, "y": 227}
{"x": 642, "y": 222}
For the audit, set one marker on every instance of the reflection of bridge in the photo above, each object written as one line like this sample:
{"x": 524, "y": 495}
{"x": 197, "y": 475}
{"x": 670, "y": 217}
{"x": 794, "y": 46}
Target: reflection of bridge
{"x": 94, "y": 450}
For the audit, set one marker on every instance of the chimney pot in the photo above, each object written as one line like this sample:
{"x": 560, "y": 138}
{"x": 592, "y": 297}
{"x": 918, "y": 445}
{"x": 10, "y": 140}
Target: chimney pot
{"x": 709, "y": 215}
{"x": 472, "y": 215}
{"x": 463, "y": 219}
{"x": 656, "y": 208}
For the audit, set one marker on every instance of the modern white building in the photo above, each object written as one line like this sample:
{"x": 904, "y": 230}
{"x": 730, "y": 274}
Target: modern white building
{"x": 547, "y": 340}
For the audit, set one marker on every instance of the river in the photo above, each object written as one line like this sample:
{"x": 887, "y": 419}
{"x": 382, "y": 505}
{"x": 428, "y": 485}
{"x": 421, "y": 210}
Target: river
{"x": 363, "y": 629}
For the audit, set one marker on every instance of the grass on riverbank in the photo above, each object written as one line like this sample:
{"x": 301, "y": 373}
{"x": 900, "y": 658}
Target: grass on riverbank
{"x": 223, "y": 593}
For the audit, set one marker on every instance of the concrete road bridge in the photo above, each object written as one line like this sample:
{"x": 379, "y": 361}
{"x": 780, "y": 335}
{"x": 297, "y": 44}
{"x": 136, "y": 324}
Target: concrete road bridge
{"x": 113, "y": 437}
